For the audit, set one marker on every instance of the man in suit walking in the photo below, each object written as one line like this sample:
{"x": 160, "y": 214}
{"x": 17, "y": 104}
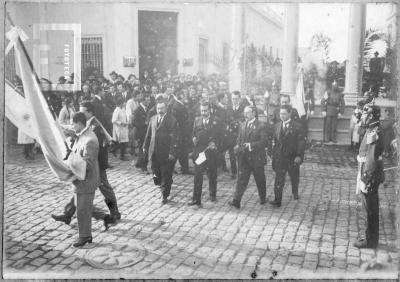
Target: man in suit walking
{"x": 105, "y": 188}
{"x": 234, "y": 114}
{"x": 287, "y": 153}
{"x": 178, "y": 110}
{"x": 87, "y": 146}
{"x": 250, "y": 149}
{"x": 161, "y": 145}
{"x": 207, "y": 137}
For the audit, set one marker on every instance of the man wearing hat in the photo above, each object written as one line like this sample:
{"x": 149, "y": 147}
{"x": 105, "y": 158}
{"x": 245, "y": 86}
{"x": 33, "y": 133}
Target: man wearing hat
{"x": 370, "y": 174}
{"x": 113, "y": 77}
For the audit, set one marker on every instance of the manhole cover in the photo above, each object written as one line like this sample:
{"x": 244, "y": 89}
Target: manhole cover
{"x": 114, "y": 256}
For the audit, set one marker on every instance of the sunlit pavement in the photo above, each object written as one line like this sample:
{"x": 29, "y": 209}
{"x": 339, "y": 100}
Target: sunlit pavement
{"x": 310, "y": 237}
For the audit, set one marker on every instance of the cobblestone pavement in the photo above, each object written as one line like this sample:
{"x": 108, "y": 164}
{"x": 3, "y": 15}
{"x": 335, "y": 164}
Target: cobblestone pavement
{"x": 311, "y": 237}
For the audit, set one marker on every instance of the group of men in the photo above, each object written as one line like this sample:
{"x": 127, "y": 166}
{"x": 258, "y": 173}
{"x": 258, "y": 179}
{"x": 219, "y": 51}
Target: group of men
{"x": 202, "y": 124}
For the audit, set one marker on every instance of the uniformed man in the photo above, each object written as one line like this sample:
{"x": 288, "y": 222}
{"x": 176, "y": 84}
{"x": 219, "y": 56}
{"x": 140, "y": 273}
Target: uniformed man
{"x": 370, "y": 174}
{"x": 332, "y": 108}
{"x": 250, "y": 149}
{"x": 207, "y": 134}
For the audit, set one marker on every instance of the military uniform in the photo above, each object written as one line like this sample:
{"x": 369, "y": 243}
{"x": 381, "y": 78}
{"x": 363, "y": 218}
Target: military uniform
{"x": 332, "y": 106}
{"x": 206, "y": 132}
{"x": 370, "y": 176}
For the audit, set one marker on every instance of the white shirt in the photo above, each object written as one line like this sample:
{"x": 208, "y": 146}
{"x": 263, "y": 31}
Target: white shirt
{"x": 286, "y": 123}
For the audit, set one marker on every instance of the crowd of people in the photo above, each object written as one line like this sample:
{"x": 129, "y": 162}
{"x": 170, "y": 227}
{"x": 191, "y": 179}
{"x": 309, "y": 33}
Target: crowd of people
{"x": 162, "y": 120}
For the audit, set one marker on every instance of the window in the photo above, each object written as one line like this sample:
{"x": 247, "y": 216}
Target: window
{"x": 203, "y": 55}
{"x": 92, "y": 56}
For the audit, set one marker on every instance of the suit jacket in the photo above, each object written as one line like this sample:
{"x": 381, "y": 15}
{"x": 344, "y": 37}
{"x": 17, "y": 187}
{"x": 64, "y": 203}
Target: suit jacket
{"x": 276, "y": 118}
{"x": 212, "y": 132}
{"x": 98, "y": 109}
{"x": 139, "y": 122}
{"x": 103, "y": 147}
{"x": 287, "y": 144}
{"x": 87, "y": 146}
{"x": 256, "y": 134}
{"x": 161, "y": 140}
{"x": 109, "y": 100}
{"x": 179, "y": 112}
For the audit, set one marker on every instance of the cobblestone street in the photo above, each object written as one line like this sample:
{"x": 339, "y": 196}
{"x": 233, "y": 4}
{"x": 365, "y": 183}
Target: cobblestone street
{"x": 311, "y": 237}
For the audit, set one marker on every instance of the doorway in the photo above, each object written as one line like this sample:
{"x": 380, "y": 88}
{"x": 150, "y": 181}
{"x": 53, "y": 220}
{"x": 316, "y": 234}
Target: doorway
{"x": 157, "y": 41}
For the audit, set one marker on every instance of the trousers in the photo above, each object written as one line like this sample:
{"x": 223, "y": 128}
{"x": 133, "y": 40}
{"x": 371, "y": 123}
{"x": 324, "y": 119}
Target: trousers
{"x": 370, "y": 203}
{"x": 330, "y": 128}
{"x": 211, "y": 166}
{"x": 243, "y": 180}
{"x": 163, "y": 172}
{"x": 84, "y": 209}
{"x": 280, "y": 175}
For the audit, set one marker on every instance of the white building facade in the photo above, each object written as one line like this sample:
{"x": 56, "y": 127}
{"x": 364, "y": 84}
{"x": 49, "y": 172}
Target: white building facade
{"x": 192, "y": 37}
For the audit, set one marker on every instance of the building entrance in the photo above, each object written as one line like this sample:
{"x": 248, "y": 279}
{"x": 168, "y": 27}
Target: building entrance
{"x": 157, "y": 41}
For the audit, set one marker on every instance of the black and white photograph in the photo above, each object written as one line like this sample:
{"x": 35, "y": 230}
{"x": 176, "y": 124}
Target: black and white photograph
{"x": 200, "y": 140}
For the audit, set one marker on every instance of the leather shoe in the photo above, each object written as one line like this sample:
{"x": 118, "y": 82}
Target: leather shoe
{"x": 233, "y": 204}
{"x": 361, "y": 244}
{"x": 82, "y": 242}
{"x": 108, "y": 219}
{"x": 192, "y": 203}
{"x": 213, "y": 199}
{"x": 233, "y": 176}
{"x": 116, "y": 216}
{"x": 296, "y": 197}
{"x": 62, "y": 218}
{"x": 275, "y": 203}
{"x": 164, "y": 201}
{"x": 262, "y": 202}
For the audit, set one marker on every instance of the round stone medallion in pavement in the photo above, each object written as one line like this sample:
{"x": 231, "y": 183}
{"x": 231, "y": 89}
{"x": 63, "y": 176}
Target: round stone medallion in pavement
{"x": 114, "y": 256}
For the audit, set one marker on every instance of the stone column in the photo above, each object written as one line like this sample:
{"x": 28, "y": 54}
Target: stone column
{"x": 290, "y": 43}
{"x": 355, "y": 49}
{"x": 237, "y": 45}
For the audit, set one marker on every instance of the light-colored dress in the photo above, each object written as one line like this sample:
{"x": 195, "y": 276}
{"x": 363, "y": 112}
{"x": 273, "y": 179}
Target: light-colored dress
{"x": 65, "y": 116}
{"x": 120, "y": 125}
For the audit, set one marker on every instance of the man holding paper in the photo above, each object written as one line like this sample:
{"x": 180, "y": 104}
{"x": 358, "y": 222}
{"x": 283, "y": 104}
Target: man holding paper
{"x": 207, "y": 136}
{"x": 250, "y": 150}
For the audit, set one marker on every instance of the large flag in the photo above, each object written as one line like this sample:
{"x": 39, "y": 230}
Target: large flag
{"x": 49, "y": 133}
{"x": 18, "y": 111}
{"x": 298, "y": 102}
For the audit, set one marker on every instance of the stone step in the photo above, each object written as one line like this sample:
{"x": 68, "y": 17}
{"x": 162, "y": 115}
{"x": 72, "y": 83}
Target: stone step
{"x": 342, "y": 136}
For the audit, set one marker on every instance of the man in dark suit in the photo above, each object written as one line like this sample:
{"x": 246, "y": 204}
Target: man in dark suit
{"x": 105, "y": 188}
{"x": 139, "y": 124}
{"x": 287, "y": 153}
{"x": 284, "y": 100}
{"x": 98, "y": 109}
{"x": 250, "y": 148}
{"x": 161, "y": 145}
{"x": 207, "y": 134}
{"x": 234, "y": 117}
{"x": 111, "y": 97}
{"x": 178, "y": 110}
{"x": 123, "y": 90}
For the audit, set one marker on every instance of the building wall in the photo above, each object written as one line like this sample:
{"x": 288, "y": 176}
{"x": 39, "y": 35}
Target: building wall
{"x": 118, "y": 25}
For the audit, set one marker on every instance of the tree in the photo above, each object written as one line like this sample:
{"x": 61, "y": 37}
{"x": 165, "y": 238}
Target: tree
{"x": 321, "y": 43}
